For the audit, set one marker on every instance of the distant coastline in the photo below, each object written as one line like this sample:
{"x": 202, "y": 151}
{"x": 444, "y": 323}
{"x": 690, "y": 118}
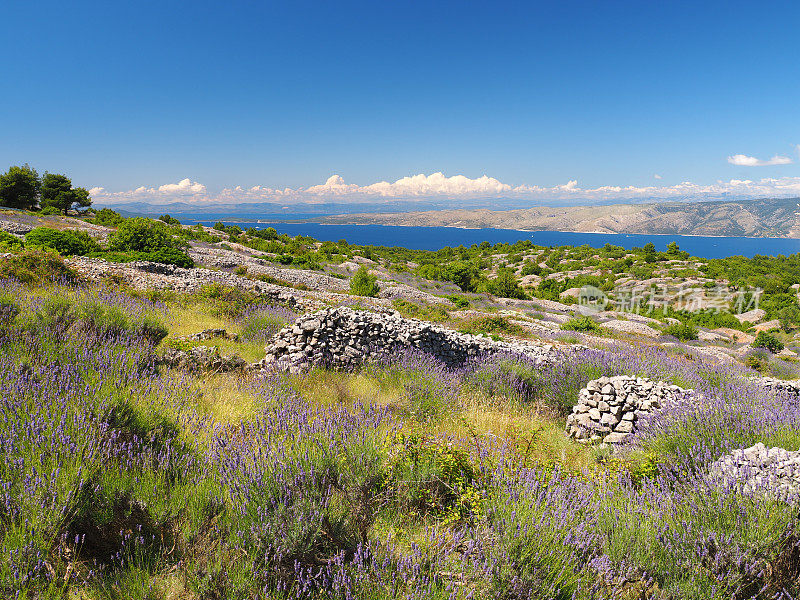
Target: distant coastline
{"x": 436, "y": 237}
{"x": 464, "y": 227}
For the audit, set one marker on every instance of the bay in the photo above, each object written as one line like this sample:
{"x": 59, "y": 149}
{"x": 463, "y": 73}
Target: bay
{"x": 434, "y": 238}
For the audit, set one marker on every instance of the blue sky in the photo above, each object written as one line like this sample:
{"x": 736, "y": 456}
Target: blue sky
{"x": 259, "y": 101}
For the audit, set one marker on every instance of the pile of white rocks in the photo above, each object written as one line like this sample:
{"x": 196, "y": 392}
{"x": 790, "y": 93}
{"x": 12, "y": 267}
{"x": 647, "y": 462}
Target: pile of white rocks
{"x": 342, "y": 338}
{"x": 609, "y": 408}
{"x": 760, "y": 471}
{"x": 211, "y": 334}
{"x": 202, "y": 359}
{"x": 790, "y": 387}
{"x": 15, "y": 227}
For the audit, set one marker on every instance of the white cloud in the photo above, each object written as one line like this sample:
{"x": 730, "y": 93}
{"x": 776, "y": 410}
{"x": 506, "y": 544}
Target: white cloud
{"x": 656, "y": 176}
{"x": 743, "y": 160}
{"x": 185, "y": 190}
{"x": 183, "y": 187}
{"x": 458, "y": 187}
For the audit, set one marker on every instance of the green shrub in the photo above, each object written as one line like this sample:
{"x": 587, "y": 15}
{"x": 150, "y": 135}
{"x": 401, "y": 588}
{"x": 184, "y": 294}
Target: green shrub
{"x": 757, "y": 359}
{"x": 65, "y": 242}
{"x": 364, "y": 284}
{"x": 241, "y": 271}
{"x": 584, "y": 323}
{"x": 415, "y": 311}
{"x": 167, "y": 256}
{"x": 531, "y": 268}
{"x": 459, "y": 301}
{"x": 36, "y": 266}
{"x": 429, "y": 477}
{"x": 10, "y": 242}
{"x": 169, "y": 220}
{"x": 505, "y": 285}
{"x": 108, "y": 218}
{"x": 226, "y": 301}
{"x": 141, "y": 235}
{"x": 682, "y": 331}
{"x": 768, "y": 341}
{"x": 51, "y": 210}
{"x": 491, "y": 324}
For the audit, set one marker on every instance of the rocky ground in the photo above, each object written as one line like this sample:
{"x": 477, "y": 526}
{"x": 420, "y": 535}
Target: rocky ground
{"x": 233, "y": 264}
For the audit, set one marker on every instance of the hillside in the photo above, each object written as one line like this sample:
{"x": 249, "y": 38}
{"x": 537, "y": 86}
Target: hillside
{"x": 756, "y": 218}
{"x": 205, "y": 413}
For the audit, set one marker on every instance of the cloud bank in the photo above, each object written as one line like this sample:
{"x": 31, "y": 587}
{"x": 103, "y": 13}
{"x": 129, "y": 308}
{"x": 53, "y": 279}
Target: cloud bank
{"x": 438, "y": 186}
{"x": 742, "y": 160}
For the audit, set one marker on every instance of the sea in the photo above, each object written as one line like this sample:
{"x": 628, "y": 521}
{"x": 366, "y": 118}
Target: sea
{"x": 434, "y": 238}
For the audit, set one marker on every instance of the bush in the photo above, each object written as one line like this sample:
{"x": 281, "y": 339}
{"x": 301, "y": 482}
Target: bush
{"x": 167, "y": 256}
{"x": 108, "y": 218}
{"x": 64, "y": 242}
{"x": 36, "y": 266}
{"x": 364, "y": 284}
{"x": 10, "y": 242}
{"x": 506, "y": 285}
{"x": 415, "y": 311}
{"x": 683, "y": 331}
{"x": 459, "y": 301}
{"x": 757, "y": 359}
{"x": 584, "y": 323}
{"x": 431, "y": 477}
{"x": 169, "y": 220}
{"x": 491, "y": 325}
{"x": 51, "y": 210}
{"x": 531, "y": 268}
{"x": 141, "y": 235}
{"x": 768, "y": 341}
{"x": 225, "y": 301}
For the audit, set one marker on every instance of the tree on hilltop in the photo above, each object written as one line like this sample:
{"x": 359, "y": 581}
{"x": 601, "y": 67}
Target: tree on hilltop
{"x": 19, "y": 187}
{"x": 57, "y": 193}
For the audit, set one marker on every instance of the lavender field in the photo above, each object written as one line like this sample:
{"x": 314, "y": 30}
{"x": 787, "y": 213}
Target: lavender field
{"x": 122, "y": 478}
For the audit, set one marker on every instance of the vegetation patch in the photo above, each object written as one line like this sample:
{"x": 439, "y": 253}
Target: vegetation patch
{"x": 583, "y": 324}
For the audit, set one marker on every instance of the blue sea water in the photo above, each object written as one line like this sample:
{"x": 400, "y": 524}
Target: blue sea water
{"x": 433, "y": 238}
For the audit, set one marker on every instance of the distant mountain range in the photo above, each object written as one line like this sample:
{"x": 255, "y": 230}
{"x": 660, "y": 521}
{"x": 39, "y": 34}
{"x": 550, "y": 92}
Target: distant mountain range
{"x": 750, "y": 218}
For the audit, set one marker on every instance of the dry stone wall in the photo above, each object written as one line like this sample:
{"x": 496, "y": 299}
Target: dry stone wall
{"x": 609, "y": 408}
{"x": 342, "y": 338}
{"x": 227, "y": 259}
{"x": 790, "y": 387}
{"x": 760, "y": 471}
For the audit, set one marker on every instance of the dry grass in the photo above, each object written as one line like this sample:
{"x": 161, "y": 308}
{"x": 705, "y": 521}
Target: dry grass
{"x": 498, "y": 425}
{"x": 194, "y": 319}
{"x": 528, "y": 434}
{"x": 224, "y": 396}
{"x": 331, "y": 388}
